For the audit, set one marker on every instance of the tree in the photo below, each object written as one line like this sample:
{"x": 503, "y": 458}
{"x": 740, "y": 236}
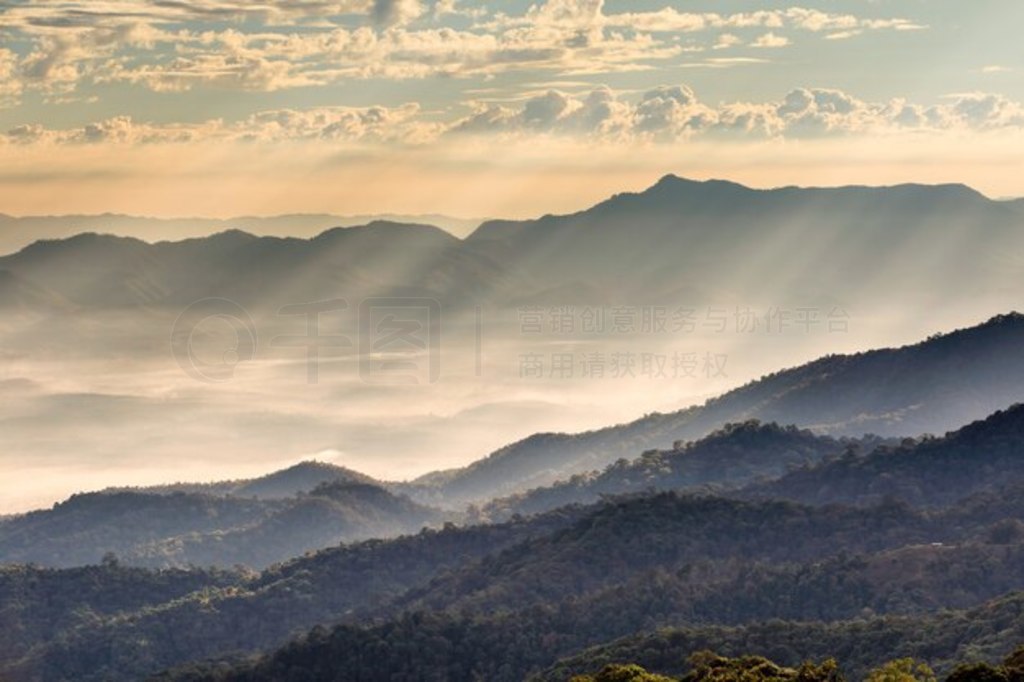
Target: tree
{"x": 1013, "y": 665}
{"x": 977, "y": 672}
{"x": 902, "y": 670}
{"x": 622, "y": 673}
{"x": 709, "y": 667}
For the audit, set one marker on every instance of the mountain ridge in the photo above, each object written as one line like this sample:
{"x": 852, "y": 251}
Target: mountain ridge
{"x": 943, "y": 381}
{"x": 687, "y": 234}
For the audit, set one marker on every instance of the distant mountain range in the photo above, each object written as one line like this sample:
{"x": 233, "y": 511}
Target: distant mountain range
{"x": 721, "y": 241}
{"x": 91, "y": 271}
{"x": 929, "y": 387}
{"x": 18, "y": 232}
{"x": 678, "y": 242}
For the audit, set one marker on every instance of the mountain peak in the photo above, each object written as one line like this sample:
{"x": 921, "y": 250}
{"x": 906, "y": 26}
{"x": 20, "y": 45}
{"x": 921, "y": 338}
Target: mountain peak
{"x": 673, "y": 179}
{"x": 676, "y": 182}
{"x": 233, "y": 234}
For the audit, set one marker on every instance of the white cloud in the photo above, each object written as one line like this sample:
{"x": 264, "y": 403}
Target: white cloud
{"x": 727, "y": 40}
{"x": 335, "y": 124}
{"x": 770, "y": 40}
{"x": 673, "y": 113}
{"x": 843, "y": 35}
{"x": 669, "y": 19}
{"x": 666, "y": 114}
{"x": 983, "y": 111}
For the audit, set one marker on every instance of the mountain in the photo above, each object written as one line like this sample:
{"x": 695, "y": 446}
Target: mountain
{"x": 679, "y": 242}
{"x": 732, "y": 456}
{"x": 982, "y": 456}
{"x": 667, "y": 560}
{"x": 97, "y": 271}
{"x": 931, "y": 386}
{"x": 299, "y": 478}
{"x": 201, "y": 528}
{"x": 18, "y": 232}
{"x": 773, "y": 462}
{"x": 170, "y": 616}
{"x": 19, "y": 295}
{"x": 37, "y": 602}
{"x": 302, "y": 477}
{"x": 501, "y": 601}
{"x": 700, "y": 241}
{"x": 458, "y": 649}
{"x": 628, "y": 537}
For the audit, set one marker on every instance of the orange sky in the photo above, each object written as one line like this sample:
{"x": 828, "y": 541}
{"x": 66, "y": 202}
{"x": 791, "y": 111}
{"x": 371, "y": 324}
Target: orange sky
{"x": 226, "y": 179}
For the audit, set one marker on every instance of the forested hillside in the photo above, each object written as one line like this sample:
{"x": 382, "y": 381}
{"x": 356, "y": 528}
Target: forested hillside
{"x": 173, "y": 528}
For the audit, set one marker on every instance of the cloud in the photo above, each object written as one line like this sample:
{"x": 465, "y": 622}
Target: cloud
{"x": 382, "y": 124}
{"x": 267, "y": 62}
{"x": 600, "y": 113}
{"x": 62, "y": 47}
{"x": 674, "y": 113}
{"x": 982, "y": 111}
{"x": 770, "y": 40}
{"x": 727, "y": 40}
{"x": 665, "y": 114}
{"x": 843, "y": 35}
{"x": 670, "y": 111}
{"x": 44, "y": 15}
{"x": 10, "y": 84}
{"x": 331, "y": 124}
{"x": 231, "y": 69}
{"x": 669, "y": 19}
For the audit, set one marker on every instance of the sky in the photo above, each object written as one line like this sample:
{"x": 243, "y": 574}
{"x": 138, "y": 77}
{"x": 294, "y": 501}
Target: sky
{"x": 504, "y": 108}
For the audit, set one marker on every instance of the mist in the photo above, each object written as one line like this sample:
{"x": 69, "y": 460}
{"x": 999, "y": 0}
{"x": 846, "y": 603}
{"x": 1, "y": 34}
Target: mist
{"x": 85, "y": 408}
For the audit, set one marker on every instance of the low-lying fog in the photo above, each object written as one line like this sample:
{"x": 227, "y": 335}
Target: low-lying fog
{"x": 103, "y": 400}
